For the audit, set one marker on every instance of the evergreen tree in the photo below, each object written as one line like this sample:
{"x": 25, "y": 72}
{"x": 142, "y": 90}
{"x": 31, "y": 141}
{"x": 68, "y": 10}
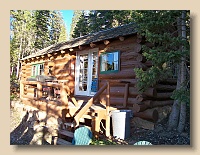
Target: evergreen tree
{"x": 31, "y": 31}
{"x": 63, "y": 34}
{"x": 81, "y": 27}
{"x": 42, "y": 25}
{"x": 75, "y": 19}
{"x": 99, "y": 20}
{"x": 22, "y": 36}
{"x": 161, "y": 29}
{"x": 56, "y": 24}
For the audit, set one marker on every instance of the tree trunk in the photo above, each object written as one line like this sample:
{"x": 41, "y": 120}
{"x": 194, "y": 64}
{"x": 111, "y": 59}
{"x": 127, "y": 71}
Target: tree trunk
{"x": 178, "y": 115}
{"x": 182, "y": 117}
{"x": 19, "y": 56}
{"x": 174, "y": 116}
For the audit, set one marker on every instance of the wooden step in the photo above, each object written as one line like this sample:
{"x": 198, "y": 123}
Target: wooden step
{"x": 66, "y": 133}
{"x": 69, "y": 124}
{"x": 88, "y": 116}
{"x": 59, "y": 141}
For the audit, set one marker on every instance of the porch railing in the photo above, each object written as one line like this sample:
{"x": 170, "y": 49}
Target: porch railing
{"x": 39, "y": 91}
{"x": 106, "y": 87}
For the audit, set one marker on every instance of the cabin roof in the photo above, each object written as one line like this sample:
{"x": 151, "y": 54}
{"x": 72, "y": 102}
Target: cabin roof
{"x": 124, "y": 30}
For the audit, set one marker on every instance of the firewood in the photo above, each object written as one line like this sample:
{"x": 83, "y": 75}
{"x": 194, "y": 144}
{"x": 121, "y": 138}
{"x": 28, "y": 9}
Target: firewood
{"x": 142, "y": 123}
{"x": 149, "y": 114}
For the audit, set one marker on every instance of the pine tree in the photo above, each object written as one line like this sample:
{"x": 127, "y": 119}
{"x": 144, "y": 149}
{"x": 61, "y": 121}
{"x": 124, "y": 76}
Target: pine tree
{"x": 63, "y": 34}
{"x": 22, "y": 36}
{"x": 42, "y": 25}
{"x": 56, "y": 24}
{"x": 31, "y": 31}
{"x": 161, "y": 29}
{"x": 81, "y": 27}
{"x": 75, "y": 19}
{"x": 98, "y": 20}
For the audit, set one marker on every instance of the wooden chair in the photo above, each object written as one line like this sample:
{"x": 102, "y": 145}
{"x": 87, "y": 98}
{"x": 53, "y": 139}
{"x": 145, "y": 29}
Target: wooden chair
{"x": 142, "y": 143}
{"x": 82, "y": 136}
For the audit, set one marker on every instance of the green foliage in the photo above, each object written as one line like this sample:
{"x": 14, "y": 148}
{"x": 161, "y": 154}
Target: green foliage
{"x": 98, "y": 20}
{"x": 63, "y": 34}
{"x": 149, "y": 78}
{"x": 159, "y": 28}
{"x": 75, "y": 19}
{"x": 81, "y": 27}
{"x": 32, "y": 30}
{"x": 14, "y": 88}
{"x": 182, "y": 95}
{"x": 102, "y": 142}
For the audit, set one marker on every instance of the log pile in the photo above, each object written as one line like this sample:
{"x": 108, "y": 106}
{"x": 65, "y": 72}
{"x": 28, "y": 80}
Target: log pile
{"x": 154, "y": 108}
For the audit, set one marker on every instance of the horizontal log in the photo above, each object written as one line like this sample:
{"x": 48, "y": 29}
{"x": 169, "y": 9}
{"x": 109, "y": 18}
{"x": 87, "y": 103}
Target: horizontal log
{"x": 130, "y": 81}
{"x": 138, "y": 58}
{"x": 124, "y": 46}
{"x": 23, "y": 67}
{"x": 164, "y": 95}
{"x": 165, "y": 87}
{"x": 62, "y": 71}
{"x": 161, "y": 103}
{"x": 67, "y": 77}
{"x": 148, "y": 63}
{"x": 133, "y": 64}
{"x": 142, "y": 106}
{"x": 137, "y": 122}
{"x": 169, "y": 81}
{"x": 149, "y": 114}
{"x": 63, "y": 65}
{"x": 129, "y": 73}
{"x": 129, "y": 53}
{"x": 118, "y": 88}
{"x": 62, "y": 60}
{"x": 117, "y": 100}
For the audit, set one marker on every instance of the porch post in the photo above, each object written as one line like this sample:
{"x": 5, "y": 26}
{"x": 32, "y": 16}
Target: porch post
{"x": 108, "y": 110}
{"x": 39, "y": 90}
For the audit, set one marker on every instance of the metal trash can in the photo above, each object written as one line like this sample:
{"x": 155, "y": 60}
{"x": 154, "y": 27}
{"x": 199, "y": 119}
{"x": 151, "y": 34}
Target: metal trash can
{"x": 121, "y": 123}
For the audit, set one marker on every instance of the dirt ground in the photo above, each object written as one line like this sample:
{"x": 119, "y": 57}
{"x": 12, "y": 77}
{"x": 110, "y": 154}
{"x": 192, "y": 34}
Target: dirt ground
{"x": 21, "y": 133}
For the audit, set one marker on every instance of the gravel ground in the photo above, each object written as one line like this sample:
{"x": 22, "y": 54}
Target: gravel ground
{"x": 22, "y": 134}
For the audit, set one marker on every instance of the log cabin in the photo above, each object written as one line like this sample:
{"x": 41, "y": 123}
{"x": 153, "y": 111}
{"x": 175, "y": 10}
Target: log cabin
{"x": 89, "y": 76}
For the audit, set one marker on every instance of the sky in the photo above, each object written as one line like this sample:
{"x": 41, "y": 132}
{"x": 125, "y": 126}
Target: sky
{"x": 67, "y": 16}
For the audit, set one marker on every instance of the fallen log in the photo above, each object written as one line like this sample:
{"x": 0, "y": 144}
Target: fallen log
{"x": 142, "y": 106}
{"x": 137, "y": 122}
{"x": 149, "y": 114}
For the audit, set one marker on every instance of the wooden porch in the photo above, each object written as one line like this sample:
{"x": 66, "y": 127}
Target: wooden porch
{"x": 73, "y": 110}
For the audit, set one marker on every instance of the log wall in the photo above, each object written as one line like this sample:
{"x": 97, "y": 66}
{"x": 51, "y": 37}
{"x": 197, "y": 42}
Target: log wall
{"x": 63, "y": 67}
{"x": 143, "y": 105}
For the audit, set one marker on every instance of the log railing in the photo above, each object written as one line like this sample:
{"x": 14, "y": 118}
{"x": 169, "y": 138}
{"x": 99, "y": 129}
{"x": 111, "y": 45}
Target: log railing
{"x": 106, "y": 87}
{"x": 63, "y": 90}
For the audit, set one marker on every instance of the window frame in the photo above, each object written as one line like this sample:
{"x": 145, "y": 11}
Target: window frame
{"x": 110, "y": 71}
{"x": 37, "y": 69}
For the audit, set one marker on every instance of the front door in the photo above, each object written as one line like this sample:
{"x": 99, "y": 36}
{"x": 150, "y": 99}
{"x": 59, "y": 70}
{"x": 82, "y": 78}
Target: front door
{"x": 86, "y": 72}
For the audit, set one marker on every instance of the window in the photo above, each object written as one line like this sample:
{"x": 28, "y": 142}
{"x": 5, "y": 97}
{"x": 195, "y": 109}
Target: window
{"x": 37, "y": 69}
{"x": 109, "y": 62}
